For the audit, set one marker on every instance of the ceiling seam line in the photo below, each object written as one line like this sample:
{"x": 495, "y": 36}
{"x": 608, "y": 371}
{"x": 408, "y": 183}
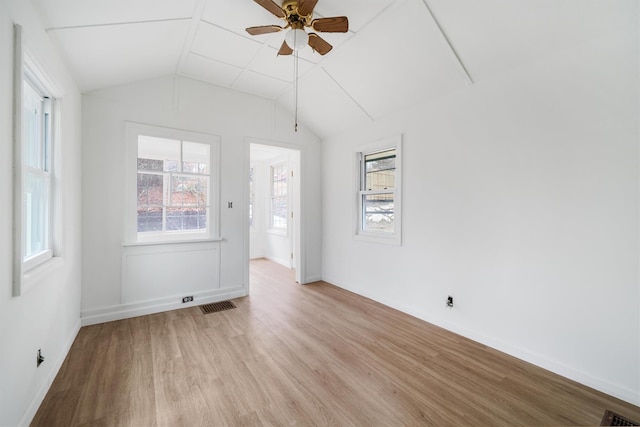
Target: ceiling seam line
{"x": 191, "y": 34}
{"x": 230, "y": 31}
{"x": 214, "y": 60}
{"x": 448, "y": 43}
{"x": 109, "y": 24}
{"x": 349, "y": 95}
{"x": 246, "y": 69}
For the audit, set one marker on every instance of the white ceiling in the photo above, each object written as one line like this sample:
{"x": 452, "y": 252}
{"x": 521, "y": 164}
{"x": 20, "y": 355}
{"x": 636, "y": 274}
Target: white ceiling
{"x": 396, "y": 54}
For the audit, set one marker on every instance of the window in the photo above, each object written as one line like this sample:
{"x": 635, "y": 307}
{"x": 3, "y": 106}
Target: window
{"x": 378, "y": 184}
{"x": 36, "y": 175}
{"x": 279, "y": 197}
{"x": 36, "y": 215}
{"x": 174, "y": 181}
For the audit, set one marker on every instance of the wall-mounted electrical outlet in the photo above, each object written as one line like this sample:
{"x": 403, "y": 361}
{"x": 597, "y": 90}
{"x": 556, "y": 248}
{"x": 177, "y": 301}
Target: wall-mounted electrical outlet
{"x": 449, "y": 301}
{"x": 39, "y": 358}
{"x": 187, "y": 299}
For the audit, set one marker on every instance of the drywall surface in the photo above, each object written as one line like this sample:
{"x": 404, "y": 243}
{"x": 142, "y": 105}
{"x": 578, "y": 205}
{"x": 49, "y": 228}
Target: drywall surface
{"x": 180, "y": 103}
{"x": 47, "y": 317}
{"x": 520, "y": 199}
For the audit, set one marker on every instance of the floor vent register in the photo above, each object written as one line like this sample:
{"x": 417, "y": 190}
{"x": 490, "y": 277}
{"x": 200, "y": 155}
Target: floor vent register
{"x": 613, "y": 419}
{"x": 216, "y": 307}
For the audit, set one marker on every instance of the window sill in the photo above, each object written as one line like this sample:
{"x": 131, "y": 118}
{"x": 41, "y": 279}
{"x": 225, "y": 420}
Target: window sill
{"x": 172, "y": 242}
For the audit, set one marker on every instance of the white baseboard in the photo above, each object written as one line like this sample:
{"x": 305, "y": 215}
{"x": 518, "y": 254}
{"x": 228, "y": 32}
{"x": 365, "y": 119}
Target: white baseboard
{"x": 541, "y": 361}
{"x": 32, "y": 409}
{"x": 126, "y": 311}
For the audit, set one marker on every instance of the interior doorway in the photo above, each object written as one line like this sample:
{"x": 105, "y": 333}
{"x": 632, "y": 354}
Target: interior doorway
{"x": 274, "y": 205}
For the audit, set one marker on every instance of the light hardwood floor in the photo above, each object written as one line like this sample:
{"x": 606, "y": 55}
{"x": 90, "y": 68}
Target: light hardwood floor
{"x": 303, "y": 355}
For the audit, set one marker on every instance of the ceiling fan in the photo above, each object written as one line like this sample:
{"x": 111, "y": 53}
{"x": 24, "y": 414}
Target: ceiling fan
{"x": 298, "y": 14}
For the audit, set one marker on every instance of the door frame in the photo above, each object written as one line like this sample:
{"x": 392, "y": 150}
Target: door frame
{"x": 298, "y": 230}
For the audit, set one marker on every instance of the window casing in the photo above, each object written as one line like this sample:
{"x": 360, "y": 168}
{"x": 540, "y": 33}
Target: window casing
{"x": 378, "y": 211}
{"x": 172, "y": 185}
{"x": 279, "y": 211}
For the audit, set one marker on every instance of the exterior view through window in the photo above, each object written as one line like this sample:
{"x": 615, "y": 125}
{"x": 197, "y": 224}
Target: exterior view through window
{"x": 172, "y": 185}
{"x": 279, "y": 196}
{"x": 36, "y": 169}
{"x": 378, "y": 191}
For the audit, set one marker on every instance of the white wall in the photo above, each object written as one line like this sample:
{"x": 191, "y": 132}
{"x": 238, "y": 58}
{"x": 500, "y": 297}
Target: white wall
{"x": 521, "y": 201}
{"x": 190, "y": 105}
{"x": 47, "y": 317}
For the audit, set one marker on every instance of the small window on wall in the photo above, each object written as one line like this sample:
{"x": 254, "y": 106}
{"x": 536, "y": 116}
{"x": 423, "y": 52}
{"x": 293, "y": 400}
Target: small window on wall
{"x": 36, "y": 176}
{"x": 378, "y": 197}
{"x": 175, "y": 185}
{"x": 279, "y": 197}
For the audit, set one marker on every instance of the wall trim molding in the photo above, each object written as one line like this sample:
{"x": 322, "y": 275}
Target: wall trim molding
{"x": 126, "y": 311}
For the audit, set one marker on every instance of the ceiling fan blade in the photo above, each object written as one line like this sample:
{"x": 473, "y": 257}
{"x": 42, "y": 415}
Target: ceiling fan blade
{"x": 264, "y": 29}
{"x": 337, "y": 24}
{"x": 272, "y": 7}
{"x": 318, "y": 44}
{"x": 285, "y": 49}
{"x": 305, "y": 7}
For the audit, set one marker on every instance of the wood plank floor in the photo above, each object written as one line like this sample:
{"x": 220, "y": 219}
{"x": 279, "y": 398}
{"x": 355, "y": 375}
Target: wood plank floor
{"x": 303, "y": 355}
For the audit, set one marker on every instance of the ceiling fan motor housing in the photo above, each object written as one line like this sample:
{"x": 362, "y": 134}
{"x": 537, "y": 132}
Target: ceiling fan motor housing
{"x": 294, "y": 18}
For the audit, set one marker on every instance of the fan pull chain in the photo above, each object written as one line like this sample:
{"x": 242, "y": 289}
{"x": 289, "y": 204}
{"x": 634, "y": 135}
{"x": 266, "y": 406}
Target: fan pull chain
{"x": 295, "y": 72}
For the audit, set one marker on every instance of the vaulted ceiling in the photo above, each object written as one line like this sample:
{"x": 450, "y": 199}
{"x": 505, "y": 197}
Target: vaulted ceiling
{"x": 396, "y": 53}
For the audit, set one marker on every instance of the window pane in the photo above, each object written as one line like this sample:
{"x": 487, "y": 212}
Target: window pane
{"x": 187, "y": 218}
{"x": 34, "y": 144}
{"x": 162, "y": 149}
{"x": 36, "y": 214}
{"x": 278, "y": 180}
{"x": 149, "y": 219}
{"x": 150, "y": 190}
{"x": 150, "y": 165}
{"x": 188, "y": 191}
{"x": 380, "y": 170}
{"x": 378, "y": 212}
{"x": 195, "y": 157}
{"x": 279, "y": 212}
{"x": 279, "y": 196}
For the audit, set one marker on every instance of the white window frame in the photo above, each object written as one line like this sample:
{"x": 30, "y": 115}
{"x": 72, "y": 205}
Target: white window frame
{"x": 132, "y": 237}
{"x": 394, "y": 238}
{"x": 279, "y": 230}
{"x": 27, "y": 271}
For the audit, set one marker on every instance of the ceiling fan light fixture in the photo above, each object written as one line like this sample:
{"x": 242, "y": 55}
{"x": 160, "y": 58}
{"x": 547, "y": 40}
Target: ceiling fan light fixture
{"x": 297, "y": 39}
